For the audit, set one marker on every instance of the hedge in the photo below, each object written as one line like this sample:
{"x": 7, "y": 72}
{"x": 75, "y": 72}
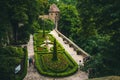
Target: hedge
{"x": 12, "y": 57}
{"x": 41, "y": 65}
{"x": 52, "y": 74}
{"x": 22, "y": 74}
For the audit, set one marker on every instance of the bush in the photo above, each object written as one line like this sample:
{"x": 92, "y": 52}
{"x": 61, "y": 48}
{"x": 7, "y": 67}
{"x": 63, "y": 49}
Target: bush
{"x": 11, "y": 57}
{"x": 23, "y": 72}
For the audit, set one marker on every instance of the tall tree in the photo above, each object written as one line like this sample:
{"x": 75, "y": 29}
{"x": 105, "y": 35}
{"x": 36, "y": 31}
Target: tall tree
{"x": 100, "y": 22}
{"x": 69, "y": 20}
{"x": 18, "y": 15}
{"x": 55, "y": 58}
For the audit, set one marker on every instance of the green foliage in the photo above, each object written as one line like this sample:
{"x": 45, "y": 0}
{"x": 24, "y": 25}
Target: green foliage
{"x": 52, "y": 1}
{"x": 10, "y": 58}
{"x": 43, "y": 6}
{"x": 64, "y": 66}
{"x": 23, "y": 72}
{"x": 55, "y": 66}
{"x": 35, "y": 27}
{"x": 96, "y": 66}
{"x": 47, "y": 24}
{"x": 95, "y": 44}
{"x": 62, "y": 70}
{"x": 72, "y": 2}
{"x": 12, "y": 51}
{"x": 43, "y": 34}
{"x": 18, "y": 20}
{"x": 55, "y": 57}
{"x": 95, "y": 28}
{"x": 68, "y": 19}
{"x": 107, "y": 78}
{"x": 99, "y": 34}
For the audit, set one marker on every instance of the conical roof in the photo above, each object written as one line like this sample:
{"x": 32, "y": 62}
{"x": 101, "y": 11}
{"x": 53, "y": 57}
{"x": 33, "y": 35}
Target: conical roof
{"x": 54, "y": 8}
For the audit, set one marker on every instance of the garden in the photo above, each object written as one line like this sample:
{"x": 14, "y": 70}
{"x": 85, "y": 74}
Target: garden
{"x": 50, "y": 57}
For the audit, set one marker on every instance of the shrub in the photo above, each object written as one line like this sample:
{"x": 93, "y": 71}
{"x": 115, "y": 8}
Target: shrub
{"x": 23, "y": 72}
{"x": 12, "y": 56}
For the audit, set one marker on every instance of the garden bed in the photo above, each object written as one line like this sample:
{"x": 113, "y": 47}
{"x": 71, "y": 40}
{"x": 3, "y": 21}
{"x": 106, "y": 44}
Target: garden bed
{"x": 64, "y": 66}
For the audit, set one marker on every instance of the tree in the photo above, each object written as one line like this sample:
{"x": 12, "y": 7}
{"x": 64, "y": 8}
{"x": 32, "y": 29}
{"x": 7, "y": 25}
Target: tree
{"x": 55, "y": 58}
{"x": 72, "y": 2}
{"x": 14, "y": 14}
{"x": 49, "y": 24}
{"x": 5, "y": 26}
{"x": 52, "y": 1}
{"x": 69, "y": 19}
{"x": 100, "y": 24}
{"x": 43, "y": 6}
{"x": 43, "y": 29}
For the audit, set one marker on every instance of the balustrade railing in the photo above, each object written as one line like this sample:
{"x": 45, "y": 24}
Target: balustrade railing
{"x": 72, "y": 44}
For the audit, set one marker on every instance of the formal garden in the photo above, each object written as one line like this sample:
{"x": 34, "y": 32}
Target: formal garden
{"x": 92, "y": 24}
{"x": 51, "y": 58}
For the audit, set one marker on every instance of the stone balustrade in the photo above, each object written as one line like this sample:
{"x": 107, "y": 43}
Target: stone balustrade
{"x": 72, "y": 44}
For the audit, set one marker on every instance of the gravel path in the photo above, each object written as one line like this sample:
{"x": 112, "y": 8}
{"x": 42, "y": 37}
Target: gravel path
{"x": 32, "y": 73}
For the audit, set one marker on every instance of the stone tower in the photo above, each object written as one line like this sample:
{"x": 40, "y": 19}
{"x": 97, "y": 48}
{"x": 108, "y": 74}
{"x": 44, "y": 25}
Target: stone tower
{"x": 54, "y": 13}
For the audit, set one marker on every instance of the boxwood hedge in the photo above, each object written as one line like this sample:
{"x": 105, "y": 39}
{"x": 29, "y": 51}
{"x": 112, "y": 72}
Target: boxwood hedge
{"x": 44, "y": 67}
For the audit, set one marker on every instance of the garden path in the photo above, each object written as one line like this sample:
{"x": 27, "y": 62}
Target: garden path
{"x": 32, "y": 73}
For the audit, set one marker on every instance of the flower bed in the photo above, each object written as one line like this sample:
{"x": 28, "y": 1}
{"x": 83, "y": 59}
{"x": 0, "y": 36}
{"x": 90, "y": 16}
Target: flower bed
{"x": 56, "y": 66}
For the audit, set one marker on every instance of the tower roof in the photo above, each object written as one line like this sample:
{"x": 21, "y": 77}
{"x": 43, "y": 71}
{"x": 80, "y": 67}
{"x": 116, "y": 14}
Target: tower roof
{"x": 54, "y": 8}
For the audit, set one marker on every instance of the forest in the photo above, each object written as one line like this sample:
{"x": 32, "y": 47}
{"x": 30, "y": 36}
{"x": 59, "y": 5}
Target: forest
{"x": 92, "y": 24}
{"x": 18, "y": 19}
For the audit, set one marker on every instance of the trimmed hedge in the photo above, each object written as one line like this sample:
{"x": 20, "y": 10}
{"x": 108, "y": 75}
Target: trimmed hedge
{"x": 44, "y": 68}
{"x": 11, "y": 58}
{"x": 23, "y": 73}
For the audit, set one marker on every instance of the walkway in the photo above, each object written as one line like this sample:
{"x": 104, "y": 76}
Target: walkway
{"x": 32, "y": 73}
{"x": 30, "y": 47}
